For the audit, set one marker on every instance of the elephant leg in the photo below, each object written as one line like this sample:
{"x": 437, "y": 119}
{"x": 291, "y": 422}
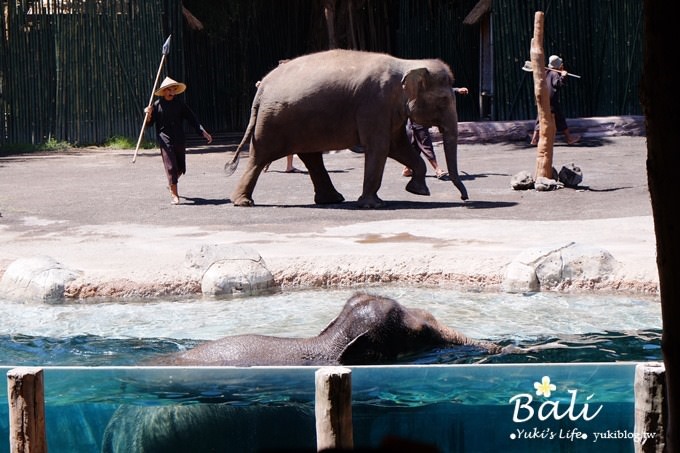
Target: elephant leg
{"x": 243, "y": 193}
{"x": 324, "y": 191}
{"x": 403, "y": 152}
{"x": 374, "y": 166}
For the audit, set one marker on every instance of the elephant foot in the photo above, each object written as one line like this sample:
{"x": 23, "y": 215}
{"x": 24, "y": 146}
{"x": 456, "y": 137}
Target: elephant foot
{"x": 243, "y": 200}
{"x": 417, "y": 188}
{"x": 370, "y": 202}
{"x": 328, "y": 198}
{"x": 461, "y": 188}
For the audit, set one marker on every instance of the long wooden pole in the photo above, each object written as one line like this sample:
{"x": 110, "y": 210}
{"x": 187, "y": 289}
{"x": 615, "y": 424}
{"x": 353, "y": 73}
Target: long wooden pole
{"x": 166, "y": 50}
{"x": 546, "y": 120}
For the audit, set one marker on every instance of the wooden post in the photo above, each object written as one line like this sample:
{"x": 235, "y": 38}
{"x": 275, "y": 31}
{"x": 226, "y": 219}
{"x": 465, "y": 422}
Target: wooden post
{"x": 333, "y": 408}
{"x": 650, "y": 407}
{"x": 26, "y": 395}
{"x": 546, "y": 120}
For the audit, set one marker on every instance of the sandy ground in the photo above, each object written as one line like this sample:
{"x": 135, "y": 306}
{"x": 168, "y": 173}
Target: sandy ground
{"x": 95, "y": 211}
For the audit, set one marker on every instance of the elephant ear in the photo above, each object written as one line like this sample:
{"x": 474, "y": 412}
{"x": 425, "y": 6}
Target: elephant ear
{"x": 361, "y": 351}
{"x": 414, "y": 81}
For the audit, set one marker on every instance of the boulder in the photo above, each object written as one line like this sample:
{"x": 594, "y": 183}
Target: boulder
{"x": 229, "y": 270}
{"x": 36, "y": 279}
{"x": 559, "y": 265}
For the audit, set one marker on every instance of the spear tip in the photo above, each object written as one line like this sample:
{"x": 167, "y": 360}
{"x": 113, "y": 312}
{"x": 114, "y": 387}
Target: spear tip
{"x": 166, "y": 45}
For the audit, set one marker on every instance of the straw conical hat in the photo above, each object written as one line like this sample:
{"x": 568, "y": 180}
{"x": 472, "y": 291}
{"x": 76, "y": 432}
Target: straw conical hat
{"x": 168, "y": 82}
{"x": 554, "y": 62}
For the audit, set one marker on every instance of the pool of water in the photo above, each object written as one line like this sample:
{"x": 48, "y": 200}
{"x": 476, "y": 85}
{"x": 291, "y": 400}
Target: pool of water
{"x": 588, "y": 346}
{"x": 553, "y": 327}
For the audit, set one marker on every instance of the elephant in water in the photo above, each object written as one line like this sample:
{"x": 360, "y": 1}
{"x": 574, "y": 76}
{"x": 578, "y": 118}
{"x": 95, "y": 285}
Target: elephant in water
{"x": 339, "y": 99}
{"x": 370, "y": 329}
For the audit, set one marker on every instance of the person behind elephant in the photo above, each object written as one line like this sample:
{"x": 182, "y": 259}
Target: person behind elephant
{"x": 555, "y": 76}
{"x": 422, "y": 142}
{"x": 290, "y": 168}
{"x": 169, "y": 114}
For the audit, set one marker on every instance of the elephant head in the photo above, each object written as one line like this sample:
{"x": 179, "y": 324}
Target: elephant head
{"x": 339, "y": 99}
{"x": 431, "y": 101}
{"x": 369, "y": 330}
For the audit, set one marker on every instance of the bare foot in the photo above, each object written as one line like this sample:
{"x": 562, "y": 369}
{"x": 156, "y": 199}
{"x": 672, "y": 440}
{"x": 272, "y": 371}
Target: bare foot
{"x": 574, "y": 139}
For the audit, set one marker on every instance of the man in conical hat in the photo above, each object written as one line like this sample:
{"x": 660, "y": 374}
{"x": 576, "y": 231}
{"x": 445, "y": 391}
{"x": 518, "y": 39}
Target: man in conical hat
{"x": 555, "y": 77}
{"x": 169, "y": 114}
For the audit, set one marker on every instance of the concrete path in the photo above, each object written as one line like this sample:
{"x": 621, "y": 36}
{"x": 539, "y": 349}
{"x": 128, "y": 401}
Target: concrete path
{"x": 94, "y": 211}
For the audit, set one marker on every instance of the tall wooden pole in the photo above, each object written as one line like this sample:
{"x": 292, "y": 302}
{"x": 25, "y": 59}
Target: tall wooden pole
{"x": 165, "y": 51}
{"x": 546, "y": 120}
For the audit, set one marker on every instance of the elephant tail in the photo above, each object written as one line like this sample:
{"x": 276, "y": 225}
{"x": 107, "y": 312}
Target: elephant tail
{"x": 230, "y": 167}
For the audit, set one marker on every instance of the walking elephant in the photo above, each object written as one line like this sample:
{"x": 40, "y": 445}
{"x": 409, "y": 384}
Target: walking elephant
{"x": 339, "y": 99}
{"x": 370, "y": 329}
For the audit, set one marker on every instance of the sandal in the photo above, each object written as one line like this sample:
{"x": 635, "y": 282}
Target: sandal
{"x": 294, "y": 170}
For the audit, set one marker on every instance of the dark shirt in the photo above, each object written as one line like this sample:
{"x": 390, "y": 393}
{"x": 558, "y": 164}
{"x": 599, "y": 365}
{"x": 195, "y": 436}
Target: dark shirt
{"x": 555, "y": 82}
{"x": 169, "y": 117}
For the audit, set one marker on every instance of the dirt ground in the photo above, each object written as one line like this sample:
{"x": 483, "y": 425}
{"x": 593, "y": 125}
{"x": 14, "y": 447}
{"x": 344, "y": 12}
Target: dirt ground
{"x": 94, "y": 210}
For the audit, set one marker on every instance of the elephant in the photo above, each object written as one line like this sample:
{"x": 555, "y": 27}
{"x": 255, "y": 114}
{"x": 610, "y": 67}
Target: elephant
{"x": 370, "y": 329}
{"x": 339, "y": 99}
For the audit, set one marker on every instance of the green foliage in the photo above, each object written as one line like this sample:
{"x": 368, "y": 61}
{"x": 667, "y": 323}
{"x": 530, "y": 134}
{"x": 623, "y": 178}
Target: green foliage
{"x": 121, "y": 142}
{"x": 53, "y": 144}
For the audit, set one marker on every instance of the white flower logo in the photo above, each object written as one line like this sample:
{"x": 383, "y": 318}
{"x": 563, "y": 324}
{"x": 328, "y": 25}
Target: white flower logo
{"x": 544, "y": 387}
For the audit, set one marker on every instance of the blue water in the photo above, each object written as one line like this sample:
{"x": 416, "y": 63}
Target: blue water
{"x": 458, "y": 408}
{"x": 457, "y": 399}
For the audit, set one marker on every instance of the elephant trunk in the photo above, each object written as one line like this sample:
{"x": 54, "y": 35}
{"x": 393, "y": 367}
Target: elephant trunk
{"x": 456, "y": 338}
{"x": 450, "y": 138}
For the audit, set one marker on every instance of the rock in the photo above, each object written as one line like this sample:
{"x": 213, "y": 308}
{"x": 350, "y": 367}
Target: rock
{"x": 570, "y": 175}
{"x": 522, "y": 181}
{"x": 543, "y": 184}
{"x": 521, "y": 277}
{"x": 229, "y": 270}
{"x": 558, "y": 266}
{"x": 36, "y": 279}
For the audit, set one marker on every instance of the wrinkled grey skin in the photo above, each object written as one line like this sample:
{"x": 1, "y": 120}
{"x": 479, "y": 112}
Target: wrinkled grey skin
{"x": 338, "y": 99}
{"x": 369, "y": 330}
{"x": 200, "y": 428}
